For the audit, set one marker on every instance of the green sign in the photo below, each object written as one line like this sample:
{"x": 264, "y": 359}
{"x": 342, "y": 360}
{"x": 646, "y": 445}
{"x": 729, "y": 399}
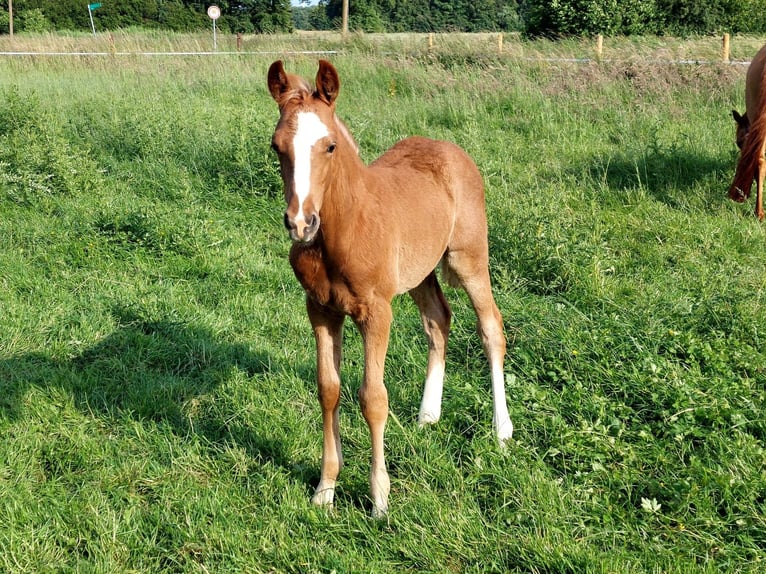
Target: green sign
{"x": 94, "y": 6}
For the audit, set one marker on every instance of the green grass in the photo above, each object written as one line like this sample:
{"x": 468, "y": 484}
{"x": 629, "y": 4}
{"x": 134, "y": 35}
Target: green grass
{"x": 157, "y": 398}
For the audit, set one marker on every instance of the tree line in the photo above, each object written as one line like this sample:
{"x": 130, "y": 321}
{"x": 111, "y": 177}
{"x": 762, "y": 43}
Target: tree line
{"x": 552, "y": 18}
{"x": 178, "y": 15}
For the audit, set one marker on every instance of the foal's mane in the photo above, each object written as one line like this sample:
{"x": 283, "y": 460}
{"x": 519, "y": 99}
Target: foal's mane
{"x": 299, "y": 91}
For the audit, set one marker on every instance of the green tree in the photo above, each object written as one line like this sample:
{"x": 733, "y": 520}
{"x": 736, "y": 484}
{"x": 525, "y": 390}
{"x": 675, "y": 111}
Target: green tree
{"x": 4, "y": 21}
{"x": 73, "y": 14}
{"x": 33, "y": 20}
{"x": 319, "y": 19}
{"x": 683, "y": 17}
{"x": 428, "y": 16}
{"x": 408, "y": 16}
{"x": 676, "y": 17}
{"x": 638, "y": 17}
{"x": 182, "y": 15}
{"x": 255, "y": 15}
{"x": 747, "y": 16}
{"x": 570, "y": 17}
{"x": 491, "y": 15}
{"x": 271, "y": 15}
{"x": 363, "y": 15}
{"x": 311, "y": 17}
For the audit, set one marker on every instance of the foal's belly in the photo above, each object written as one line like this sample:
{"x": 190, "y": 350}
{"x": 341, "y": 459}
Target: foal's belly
{"x": 422, "y": 245}
{"x": 414, "y": 268}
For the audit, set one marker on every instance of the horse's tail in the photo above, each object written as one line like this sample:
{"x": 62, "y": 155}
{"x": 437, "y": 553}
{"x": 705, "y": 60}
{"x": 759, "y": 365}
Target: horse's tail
{"x": 753, "y": 149}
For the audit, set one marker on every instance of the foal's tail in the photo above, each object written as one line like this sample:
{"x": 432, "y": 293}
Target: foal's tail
{"x": 752, "y": 150}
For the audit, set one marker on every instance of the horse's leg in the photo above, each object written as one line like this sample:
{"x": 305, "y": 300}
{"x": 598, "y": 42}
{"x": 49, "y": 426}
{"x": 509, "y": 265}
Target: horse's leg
{"x": 490, "y": 327}
{"x": 759, "y": 177}
{"x": 375, "y": 327}
{"x": 435, "y": 314}
{"x": 474, "y": 277}
{"x": 328, "y": 333}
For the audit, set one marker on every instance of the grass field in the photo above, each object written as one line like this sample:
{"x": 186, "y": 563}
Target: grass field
{"x": 157, "y": 396}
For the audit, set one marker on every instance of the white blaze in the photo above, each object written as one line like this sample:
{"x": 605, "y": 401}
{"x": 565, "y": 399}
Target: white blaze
{"x": 310, "y": 130}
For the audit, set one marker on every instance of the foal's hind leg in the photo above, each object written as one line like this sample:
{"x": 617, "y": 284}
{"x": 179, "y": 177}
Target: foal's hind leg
{"x": 473, "y": 274}
{"x": 328, "y": 332}
{"x": 435, "y": 314}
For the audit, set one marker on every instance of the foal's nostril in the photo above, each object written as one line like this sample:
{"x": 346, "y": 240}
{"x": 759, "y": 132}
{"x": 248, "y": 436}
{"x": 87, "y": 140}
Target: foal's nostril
{"x": 301, "y": 229}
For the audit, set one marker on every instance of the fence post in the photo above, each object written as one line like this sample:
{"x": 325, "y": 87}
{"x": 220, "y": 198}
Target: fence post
{"x": 344, "y": 19}
{"x": 500, "y": 43}
{"x": 430, "y": 41}
{"x": 112, "y": 48}
{"x": 599, "y": 46}
{"x": 239, "y": 41}
{"x": 725, "y": 49}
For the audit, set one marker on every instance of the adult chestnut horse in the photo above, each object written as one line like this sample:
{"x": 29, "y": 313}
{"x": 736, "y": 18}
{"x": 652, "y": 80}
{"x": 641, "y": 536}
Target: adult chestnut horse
{"x": 363, "y": 234}
{"x": 751, "y": 136}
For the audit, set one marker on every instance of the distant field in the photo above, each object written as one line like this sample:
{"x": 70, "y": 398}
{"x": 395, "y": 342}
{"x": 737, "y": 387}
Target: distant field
{"x": 157, "y": 395}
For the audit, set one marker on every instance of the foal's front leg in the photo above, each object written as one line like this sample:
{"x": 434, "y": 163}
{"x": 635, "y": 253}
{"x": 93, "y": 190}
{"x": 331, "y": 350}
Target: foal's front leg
{"x": 373, "y": 398}
{"x": 328, "y": 332}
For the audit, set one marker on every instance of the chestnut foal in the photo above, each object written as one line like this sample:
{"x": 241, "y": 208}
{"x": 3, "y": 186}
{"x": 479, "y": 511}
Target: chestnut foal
{"x": 362, "y": 234}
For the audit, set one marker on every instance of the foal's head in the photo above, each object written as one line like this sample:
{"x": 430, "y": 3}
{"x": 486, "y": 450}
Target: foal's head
{"x": 743, "y": 127}
{"x": 305, "y": 139}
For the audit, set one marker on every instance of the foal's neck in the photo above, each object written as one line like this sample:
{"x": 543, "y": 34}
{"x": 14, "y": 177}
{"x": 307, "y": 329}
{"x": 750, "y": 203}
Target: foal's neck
{"x": 346, "y": 198}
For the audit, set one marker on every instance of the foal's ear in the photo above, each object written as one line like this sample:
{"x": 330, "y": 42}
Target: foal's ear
{"x": 741, "y": 120}
{"x": 327, "y": 81}
{"x": 277, "y": 80}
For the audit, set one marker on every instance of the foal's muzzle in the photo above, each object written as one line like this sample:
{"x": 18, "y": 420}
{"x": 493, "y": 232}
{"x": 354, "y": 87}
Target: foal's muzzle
{"x": 302, "y": 231}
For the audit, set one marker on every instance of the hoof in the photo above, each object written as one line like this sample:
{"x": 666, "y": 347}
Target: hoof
{"x": 427, "y": 418}
{"x": 379, "y": 512}
{"x": 323, "y": 497}
{"x": 504, "y": 432}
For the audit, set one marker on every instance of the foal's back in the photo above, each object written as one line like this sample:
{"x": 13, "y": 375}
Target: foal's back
{"x": 440, "y": 167}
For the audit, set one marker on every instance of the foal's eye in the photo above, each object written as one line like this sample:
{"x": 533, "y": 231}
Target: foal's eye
{"x": 331, "y": 148}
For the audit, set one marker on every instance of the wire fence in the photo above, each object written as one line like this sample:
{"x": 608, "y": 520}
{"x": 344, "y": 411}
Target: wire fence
{"x": 174, "y": 53}
{"x": 336, "y": 52}
{"x": 582, "y": 51}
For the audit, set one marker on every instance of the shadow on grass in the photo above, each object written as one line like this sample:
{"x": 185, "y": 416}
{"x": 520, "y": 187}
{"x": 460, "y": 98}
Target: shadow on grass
{"x": 664, "y": 174}
{"x": 152, "y": 370}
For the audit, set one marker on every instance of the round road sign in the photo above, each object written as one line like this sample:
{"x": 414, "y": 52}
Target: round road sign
{"x": 214, "y": 12}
